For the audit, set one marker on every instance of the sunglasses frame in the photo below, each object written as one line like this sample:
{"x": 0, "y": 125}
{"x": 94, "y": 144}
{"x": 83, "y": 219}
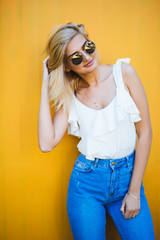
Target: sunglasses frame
{"x": 80, "y": 54}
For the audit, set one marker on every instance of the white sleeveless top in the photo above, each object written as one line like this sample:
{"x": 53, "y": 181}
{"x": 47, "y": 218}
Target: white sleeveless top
{"x": 109, "y": 132}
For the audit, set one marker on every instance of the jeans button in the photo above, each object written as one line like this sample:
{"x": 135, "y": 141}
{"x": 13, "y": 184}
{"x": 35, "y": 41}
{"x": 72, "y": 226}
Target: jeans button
{"x": 113, "y": 163}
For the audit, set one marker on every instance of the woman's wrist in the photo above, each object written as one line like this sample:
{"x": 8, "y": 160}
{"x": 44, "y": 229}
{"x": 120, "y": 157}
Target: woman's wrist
{"x": 44, "y": 86}
{"x": 136, "y": 196}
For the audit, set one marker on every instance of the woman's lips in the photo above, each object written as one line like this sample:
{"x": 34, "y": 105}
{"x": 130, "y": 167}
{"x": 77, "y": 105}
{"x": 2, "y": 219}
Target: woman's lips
{"x": 89, "y": 64}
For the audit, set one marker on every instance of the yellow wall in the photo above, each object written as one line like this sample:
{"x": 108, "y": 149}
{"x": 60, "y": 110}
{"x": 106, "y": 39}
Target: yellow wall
{"x": 33, "y": 185}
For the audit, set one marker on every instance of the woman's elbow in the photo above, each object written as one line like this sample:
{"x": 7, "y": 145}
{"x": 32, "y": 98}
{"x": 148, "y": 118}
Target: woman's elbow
{"x": 45, "y": 150}
{"x": 46, "y": 147}
{"x": 49, "y": 147}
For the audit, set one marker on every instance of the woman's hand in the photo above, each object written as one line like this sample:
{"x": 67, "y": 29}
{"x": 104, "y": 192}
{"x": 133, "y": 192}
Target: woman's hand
{"x": 130, "y": 206}
{"x": 45, "y": 69}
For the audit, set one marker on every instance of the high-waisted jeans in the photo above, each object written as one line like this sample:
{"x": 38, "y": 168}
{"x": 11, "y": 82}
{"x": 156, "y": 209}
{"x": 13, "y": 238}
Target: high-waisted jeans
{"x": 97, "y": 186}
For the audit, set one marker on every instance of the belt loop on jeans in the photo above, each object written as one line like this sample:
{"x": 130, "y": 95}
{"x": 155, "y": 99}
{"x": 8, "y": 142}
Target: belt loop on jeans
{"x": 96, "y": 162}
{"x": 127, "y": 158}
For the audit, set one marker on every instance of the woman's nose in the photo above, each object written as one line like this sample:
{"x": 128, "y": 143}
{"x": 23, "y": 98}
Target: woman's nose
{"x": 86, "y": 55}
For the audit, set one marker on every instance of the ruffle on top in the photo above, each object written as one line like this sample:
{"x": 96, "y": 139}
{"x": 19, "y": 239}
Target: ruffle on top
{"x": 73, "y": 126}
{"x": 124, "y": 99}
{"x": 104, "y": 120}
{"x": 126, "y": 104}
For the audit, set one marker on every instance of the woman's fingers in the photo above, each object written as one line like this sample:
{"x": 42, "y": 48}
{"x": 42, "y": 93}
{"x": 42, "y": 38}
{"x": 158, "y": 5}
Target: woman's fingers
{"x": 45, "y": 68}
{"x": 123, "y": 206}
{"x": 122, "y": 209}
{"x": 45, "y": 62}
{"x": 130, "y": 213}
{"x": 130, "y": 207}
{"x": 46, "y": 59}
{"x": 135, "y": 213}
{"x": 126, "y": 214}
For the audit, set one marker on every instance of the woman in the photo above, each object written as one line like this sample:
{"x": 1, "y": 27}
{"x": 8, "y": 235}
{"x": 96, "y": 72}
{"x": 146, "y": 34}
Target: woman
{"x": 106, "y": 106}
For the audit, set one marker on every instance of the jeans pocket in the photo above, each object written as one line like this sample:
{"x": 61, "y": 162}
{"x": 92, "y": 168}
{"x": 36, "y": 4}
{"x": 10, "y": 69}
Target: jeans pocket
{"x": 82, "y": 166}
{"x": 127, "y": 168}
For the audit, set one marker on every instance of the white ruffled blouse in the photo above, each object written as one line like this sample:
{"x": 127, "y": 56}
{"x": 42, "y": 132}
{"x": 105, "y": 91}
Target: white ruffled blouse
{"x": 108, "y": 132}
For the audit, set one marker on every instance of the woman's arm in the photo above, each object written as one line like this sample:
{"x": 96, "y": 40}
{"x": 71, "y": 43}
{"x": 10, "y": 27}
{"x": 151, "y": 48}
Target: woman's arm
{"x": 143, "y": 128}
{"x": 50, "y": 131}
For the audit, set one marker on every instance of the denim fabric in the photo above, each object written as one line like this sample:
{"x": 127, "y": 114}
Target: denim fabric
{"x": 99, "y": 186}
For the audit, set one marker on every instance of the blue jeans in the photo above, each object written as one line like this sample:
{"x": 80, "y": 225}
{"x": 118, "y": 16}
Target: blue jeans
{"x": 100, "y": 185}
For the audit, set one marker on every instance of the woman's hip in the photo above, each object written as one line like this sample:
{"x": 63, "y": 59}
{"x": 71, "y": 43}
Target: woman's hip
{"x": 102, "y": 178}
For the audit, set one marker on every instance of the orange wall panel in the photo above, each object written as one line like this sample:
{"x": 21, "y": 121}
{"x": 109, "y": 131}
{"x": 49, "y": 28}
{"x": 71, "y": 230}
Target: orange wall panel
{"x": 33, "y": 185}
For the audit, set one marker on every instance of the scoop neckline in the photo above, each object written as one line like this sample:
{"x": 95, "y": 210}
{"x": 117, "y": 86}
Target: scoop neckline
{"x": 97, "y": 110}
{"x": 108, "y": 105}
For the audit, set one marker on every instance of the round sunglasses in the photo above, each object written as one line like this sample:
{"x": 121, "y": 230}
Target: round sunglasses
{"x": 89, "y": 47}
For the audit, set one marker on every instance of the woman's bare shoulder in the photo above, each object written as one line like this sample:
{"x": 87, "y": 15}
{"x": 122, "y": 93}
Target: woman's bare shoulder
{"x": 129, "y": 75}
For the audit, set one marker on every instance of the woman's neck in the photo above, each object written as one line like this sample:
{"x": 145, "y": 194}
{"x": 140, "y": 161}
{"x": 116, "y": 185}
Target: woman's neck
{"x": 93, "y": 77}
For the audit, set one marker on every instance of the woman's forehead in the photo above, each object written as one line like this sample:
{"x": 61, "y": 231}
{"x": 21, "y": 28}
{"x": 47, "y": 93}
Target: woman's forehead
{"x": 75, "y": 44}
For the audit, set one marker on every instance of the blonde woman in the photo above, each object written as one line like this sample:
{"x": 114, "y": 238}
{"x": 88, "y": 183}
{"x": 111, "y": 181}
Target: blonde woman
{"x": 104, "y": 105}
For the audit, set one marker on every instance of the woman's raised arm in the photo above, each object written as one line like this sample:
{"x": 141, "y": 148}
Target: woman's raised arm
{"x": 50, "y": 130}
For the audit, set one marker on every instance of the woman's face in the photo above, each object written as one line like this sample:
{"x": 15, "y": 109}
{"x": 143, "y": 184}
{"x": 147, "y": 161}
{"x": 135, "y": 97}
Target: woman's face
{"x": 75, "y": 45}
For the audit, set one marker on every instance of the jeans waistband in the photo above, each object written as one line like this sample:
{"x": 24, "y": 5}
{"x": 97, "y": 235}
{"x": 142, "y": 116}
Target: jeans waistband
{"x": 108, "y": 161}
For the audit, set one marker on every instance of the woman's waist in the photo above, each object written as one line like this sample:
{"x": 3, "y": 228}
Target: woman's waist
{"x": 108, "y": 161}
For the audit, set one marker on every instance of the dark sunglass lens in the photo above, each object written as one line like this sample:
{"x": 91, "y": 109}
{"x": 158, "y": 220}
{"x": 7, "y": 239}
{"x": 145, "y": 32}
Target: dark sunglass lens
{"x": 77, "y": 59}
{"x": 90, "y": 47}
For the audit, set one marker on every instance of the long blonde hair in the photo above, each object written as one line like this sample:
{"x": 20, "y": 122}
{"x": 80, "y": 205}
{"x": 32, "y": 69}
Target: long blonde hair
{"x": 62, "y": 84}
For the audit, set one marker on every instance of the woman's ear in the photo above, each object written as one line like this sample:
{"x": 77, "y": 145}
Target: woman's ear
{"x": 67, "y": 68}
{"x": 66, "y": 64}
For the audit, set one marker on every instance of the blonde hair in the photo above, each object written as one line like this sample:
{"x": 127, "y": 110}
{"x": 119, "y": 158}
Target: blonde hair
{"x": 62, "y": 84}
